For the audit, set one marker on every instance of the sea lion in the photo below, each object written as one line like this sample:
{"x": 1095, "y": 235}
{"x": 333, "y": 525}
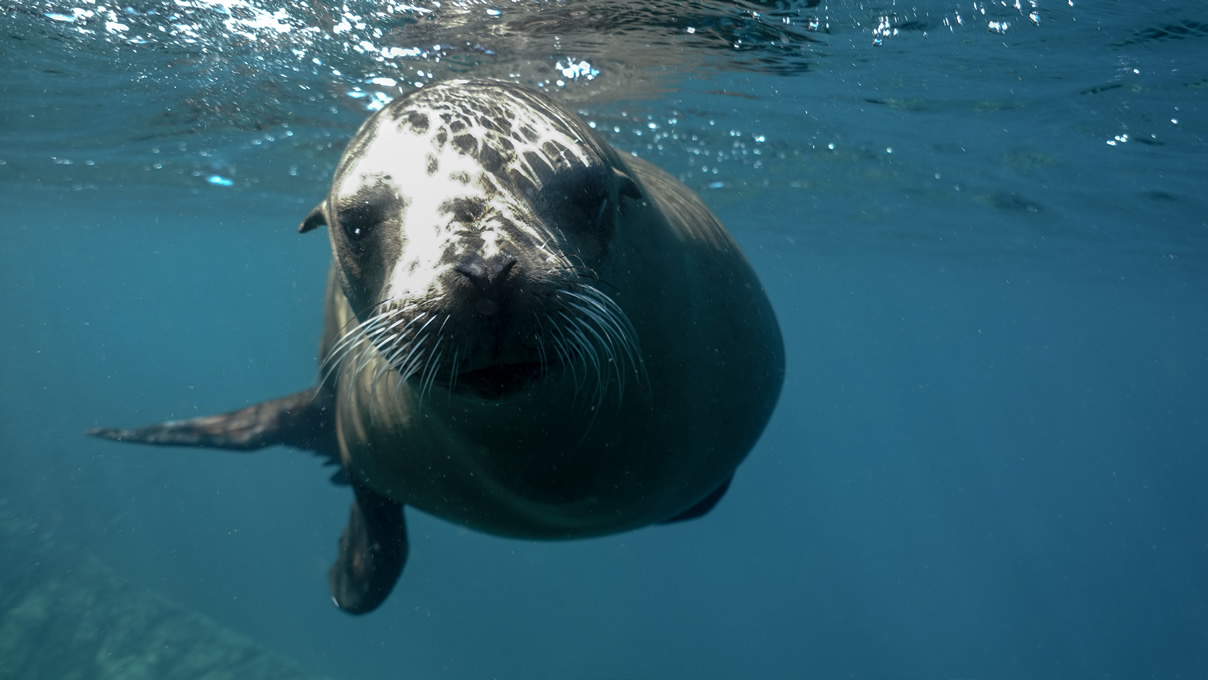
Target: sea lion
{"x": 526, "y": 333}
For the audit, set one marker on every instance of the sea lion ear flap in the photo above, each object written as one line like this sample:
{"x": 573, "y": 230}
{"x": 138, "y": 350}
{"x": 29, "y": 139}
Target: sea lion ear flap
{"x": 314, "y": 220}
{"x": 626, "y": 187}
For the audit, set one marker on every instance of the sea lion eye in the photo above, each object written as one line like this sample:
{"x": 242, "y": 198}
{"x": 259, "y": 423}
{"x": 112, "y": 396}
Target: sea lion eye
{"x": 360, "y": 215}
{"x": 583, "y": 194}
{"x": 356, "y": 220}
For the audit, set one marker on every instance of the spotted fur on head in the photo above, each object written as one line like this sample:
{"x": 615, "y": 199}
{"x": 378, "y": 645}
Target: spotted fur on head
{"x": 468, "y": 220}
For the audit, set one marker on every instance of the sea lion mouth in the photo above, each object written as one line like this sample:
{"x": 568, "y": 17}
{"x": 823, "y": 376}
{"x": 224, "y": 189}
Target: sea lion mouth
{"x": 498, "y": 381}
{"x": 581, "y": 335}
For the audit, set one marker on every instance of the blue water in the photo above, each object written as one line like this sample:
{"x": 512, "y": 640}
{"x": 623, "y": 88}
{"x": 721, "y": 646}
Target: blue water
{"x": 987, "y": 247}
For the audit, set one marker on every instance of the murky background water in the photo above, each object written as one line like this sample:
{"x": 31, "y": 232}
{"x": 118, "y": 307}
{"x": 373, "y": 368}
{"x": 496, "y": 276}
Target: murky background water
{"x": 982, "y": 226}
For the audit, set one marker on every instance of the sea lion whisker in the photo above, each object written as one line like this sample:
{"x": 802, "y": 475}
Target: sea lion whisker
{"x": 542, "y": 352}
{"x": 398, "y": 341}
{"x": 575, "y": 327}
{"x": 613, "y": 313}
{"x": 383, "y": 341}
{"x": 386, "y": 365}
{"x": 600, "y": 329}
{"x": 414, "y": 320}
{"x": 581, "y": 271}
{"x": 346, "y": 342}
{"x": 402, "y": 344}
{"x": 414, "y": 359}
{"x": 412, "y": 362}
{"x": 606, "y": 331}
{"x": 599, "y": 384}
{"x": 365, "y": 310}
{"x": 603, "y": 340}
{"x": 405, "y": 372}
{"x": 333, "y": 361}
{"x": 600, "y": 347}
{"x": 432, "y": 362}
{"x": 564, "y": 353}
{"x": 375, "y": 325}
{"x": 363, "y": 349}
{"x": 586, "y": 351}
{"x": 574, "y": 262}
{"x": 622, "y": 328}
{"x": 340, "y": 361}
{"x": 453, "y": 370}
{"x": 382, "y": 369}
{"x": 399, "y": 347}
{"x": 433, "y": 365}
{"x": 364, "y": 354}
{"x": 371, "y": 326}
{"x": 387, "y": 328}
{"x": 358, "y": 333}
{"x": 354, "y": 321}
{"x": 412, "y": 367}
{"x": 574, "y": 356}
{"x": 369, "y": 352}
{"x": 421, "y": 375}
{"x": 605, "y": 304}
{"x": 538, "y": 337}
{"x": 542, "y": 357}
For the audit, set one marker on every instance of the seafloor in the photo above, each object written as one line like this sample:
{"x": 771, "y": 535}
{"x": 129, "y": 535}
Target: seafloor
{"x": 64, "y": 615}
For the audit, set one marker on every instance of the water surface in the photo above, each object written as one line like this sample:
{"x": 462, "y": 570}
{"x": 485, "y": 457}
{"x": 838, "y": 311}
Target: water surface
{"x": 982, "y": 226}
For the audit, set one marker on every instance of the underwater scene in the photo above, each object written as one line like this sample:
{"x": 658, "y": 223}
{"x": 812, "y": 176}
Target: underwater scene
{"x": 933, "y": 404}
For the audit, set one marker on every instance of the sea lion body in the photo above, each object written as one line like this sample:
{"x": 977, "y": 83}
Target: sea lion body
{"x": 526, "y": 333}
{"x": 550, "y": 462}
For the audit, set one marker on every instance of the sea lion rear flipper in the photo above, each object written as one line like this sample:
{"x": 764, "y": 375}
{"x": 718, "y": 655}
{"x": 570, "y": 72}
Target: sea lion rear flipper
{"x": 373, "y": 549}
{"x": 302, "y": 420}
{"x": 704, "y": 505}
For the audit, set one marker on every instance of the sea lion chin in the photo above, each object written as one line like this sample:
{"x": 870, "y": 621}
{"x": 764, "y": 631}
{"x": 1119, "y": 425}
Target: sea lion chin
{"x": 526, "y": 332}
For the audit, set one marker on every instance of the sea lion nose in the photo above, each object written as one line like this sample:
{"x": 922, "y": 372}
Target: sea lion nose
{"x": 487, "y": 274}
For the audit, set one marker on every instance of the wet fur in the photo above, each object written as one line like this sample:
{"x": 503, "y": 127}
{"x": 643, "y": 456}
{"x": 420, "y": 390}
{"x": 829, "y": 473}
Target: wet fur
{"x": 526, "y": 333}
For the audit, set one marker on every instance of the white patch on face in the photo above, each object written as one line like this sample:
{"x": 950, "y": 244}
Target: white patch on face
{"x": 490, "y": 244}
{"x": 401, "y": 158}
{"x": 570, "y": 152}
{"x": 429, "y": 232}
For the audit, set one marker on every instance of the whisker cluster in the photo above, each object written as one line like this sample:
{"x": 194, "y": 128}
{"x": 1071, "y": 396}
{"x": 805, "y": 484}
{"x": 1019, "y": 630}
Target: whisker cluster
{"x": 586, "y": 334}
{"x": 593, "y": 339}
{"x": 400, "y": 339}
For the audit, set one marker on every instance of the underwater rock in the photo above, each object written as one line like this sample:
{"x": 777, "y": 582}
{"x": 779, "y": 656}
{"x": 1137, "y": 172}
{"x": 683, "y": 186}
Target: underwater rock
{"x": 64, "y": 615}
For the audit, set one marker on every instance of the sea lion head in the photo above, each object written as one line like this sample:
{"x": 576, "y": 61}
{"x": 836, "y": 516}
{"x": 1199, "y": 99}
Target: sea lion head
{"x": 469, "y": 221}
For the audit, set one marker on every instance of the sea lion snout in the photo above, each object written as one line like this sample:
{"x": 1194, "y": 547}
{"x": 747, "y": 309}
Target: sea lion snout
{"x": 486, "y": 289}
{"x": 487, "y": 275}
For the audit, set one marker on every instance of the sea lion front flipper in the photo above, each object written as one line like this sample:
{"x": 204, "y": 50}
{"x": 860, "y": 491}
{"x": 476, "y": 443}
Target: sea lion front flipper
{"x": 704, "y": 505}
{"x": 373, "y": 549}
{"x": 303, "y": 420}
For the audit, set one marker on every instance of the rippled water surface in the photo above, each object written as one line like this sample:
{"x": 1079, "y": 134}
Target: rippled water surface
{"x": 982, "y": 225}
